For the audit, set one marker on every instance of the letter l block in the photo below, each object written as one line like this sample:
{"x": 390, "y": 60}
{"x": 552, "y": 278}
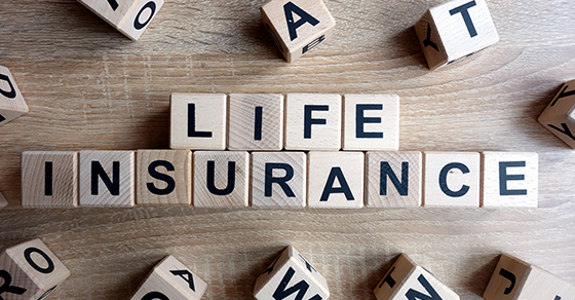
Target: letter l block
{"x": 559, "y": 115}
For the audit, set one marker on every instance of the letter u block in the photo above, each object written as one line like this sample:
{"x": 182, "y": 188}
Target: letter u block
{"x": 12, "y": 104}
{"x": 559, "y": 116}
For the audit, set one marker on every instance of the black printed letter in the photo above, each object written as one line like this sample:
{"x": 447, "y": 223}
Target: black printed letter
{"x": 281, "y": 181}
{"x": 160, "y": 176}
{"x": 465, "y": 14}
{"x": 443, "y": 179}
{"x": 112, "y": 185}
{"x": 289, "y": 9}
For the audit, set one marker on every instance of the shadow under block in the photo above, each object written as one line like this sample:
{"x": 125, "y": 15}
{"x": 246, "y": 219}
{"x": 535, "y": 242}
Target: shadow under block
{"x": 130, "y": 17}
{"x": 171, "y": 280}
{"x": 452, "y": 179}
{"x": 454, "y": 30}
{"x": 221, "y": 179}
{"x": 514, "y": 279}
{"x": 50, "y": 179}
{"x": 256, "y": 122}
{"x": 107, "y": 178}
{"x": 164, "y": 177}
{"x": 198, "y": 121}
{"x": 288, "y": 276}
{"x": 510, "y": 179}
{"x": 407, "y": 280}
{"x": 394, "y": 179}
{"x": 31, "y": 271}
{"x": 297, "y": 26}
{"x": 3, "y": 202}
{"x": 12, "y": 104}
{"x": 335, "y": 179}
{"x": 559, "y": 116}
{"x": 279, "y": 179}
{"x": 313, "y": 122}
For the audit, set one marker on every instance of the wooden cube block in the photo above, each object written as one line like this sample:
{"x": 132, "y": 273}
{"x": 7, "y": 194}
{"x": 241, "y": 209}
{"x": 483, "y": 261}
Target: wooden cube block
{"x": 297, "y": 26}
{"x": 407, "y": 280}
{"x": 107, "y": 178}
{"x": 335, "y": 179}
{"x": 256, "y": 122}
{"x": 452, "y": 179}
{"x": 198, "y": 121}
{"x": 559, "y": 116}
{"x": 221, "y": 179}
{"x": 515, "y": 279}
{"x": 313, "y": 122}
{"x": 510, "y": 179}
{"x": 172, "y": 280}
{"x": 279, "y": 179}
{"x": 394, "y": 179}
{"x": 455, "y": 30}
{"x": 12, "y": 104}
{"x": 164, "y": 177}
{"x": 289, "y": 276}
{"x": 130, "y": 17}
{"x": 50, "y": 179}
{"x": 371, "y": 122}
{"x": 3, "y": 202}
{"x": 30, "y": 271}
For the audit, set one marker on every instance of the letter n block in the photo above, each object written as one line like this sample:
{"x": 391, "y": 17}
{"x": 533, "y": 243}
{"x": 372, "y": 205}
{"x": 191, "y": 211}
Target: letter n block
{"x": 407, "y": 280}
{"x": 559, "y": 115}
{"x": 454, "y": 30}
{"x": 12, "y": 104}
{"x": 289, "y": 276}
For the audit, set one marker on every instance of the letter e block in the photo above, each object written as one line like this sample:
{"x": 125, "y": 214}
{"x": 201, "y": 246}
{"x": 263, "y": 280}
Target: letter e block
{"x": 12, "y": 104}
{"x": 559, "y": 116}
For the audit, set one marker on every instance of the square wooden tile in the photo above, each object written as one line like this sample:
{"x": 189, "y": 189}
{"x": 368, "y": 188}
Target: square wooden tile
{"x": 164, "y": 177}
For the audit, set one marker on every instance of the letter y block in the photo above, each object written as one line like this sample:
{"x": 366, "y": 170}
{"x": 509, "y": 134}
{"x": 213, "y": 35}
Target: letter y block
{"x": 559, "y": 115}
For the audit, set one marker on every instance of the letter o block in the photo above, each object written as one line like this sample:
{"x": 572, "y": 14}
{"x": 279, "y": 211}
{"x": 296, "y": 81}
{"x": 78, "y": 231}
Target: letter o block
{"x": 12, "y": 104}
{"x": 559, "y": 116}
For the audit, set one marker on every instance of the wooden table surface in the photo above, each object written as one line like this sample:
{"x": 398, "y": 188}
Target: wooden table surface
{"x": 89, "y": 87}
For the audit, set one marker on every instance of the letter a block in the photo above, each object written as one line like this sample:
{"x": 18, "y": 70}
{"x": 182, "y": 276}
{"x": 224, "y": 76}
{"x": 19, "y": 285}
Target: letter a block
{"x": 559, "y": 116}
{"x": 297, "y": 26}
{"x": 514, "y": 279}
{"x": 30, "y": 271}
{"x": 454, "y": 30}
{"x": 12, "y": 104}
{"x": 289, "y": 276}
{"x": 407, "y": 280}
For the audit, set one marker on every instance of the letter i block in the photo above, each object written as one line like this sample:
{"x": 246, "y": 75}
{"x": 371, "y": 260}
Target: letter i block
{"x": 12, "y": 104}
{"x": 289, "y": 276}
{"x": 514, "y": 279}
{"x": 559, "y": 116}
{"x": 407, "y": 280}
{"x": 171, "y": 280}
{"x": 454, "y": 30}
{"x": 297, "y": 26}
{"x": 30, "y": 271}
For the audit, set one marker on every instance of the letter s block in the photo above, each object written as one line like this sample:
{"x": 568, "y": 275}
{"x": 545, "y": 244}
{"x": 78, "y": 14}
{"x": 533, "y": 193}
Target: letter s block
{"x": 559, "y": 116}
{"x": 12, "y": 104}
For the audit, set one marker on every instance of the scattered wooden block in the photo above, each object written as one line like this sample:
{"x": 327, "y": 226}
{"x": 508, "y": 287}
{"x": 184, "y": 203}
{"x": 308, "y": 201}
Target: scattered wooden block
{"x": 510, "y": 179}
{"x": 394, "y": 179}
{"x": 291, "y": 275}
{"x": 3, "y": 202}
{"x": 164, "y": 177}
{"x": 515, "y": 279}
{"x": 455, "y": 30}
{"x": 12, "y": 104}
{"x": 107, "y": 178}
{"x": 407, "y": 280}
{"x": 221, "y": 179}
{"x": 335, "y": 179}
{"x": 198, "y": 121}
{"x": 313, "y": 122}
{"x": 452, "y": 179}
{"x": 50, "y": 179}
{"x": 297, "y": 26}
{"x": 30, "y": 271}
{"x": 256, "y": 122}
{"x": 559, "y": 116}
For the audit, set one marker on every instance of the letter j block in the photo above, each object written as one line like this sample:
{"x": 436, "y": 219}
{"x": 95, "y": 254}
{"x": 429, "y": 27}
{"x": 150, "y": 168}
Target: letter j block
{"x": 559, "y": 115}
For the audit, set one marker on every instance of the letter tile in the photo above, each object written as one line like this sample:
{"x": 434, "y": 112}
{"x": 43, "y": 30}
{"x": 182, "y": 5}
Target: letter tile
{"x": 559, "y": 115}
{"x": 12, "y": 104}
{"x": 164, "y": 177}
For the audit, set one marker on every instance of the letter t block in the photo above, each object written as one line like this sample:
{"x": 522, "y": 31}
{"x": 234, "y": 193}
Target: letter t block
{"x": 559, "y": 116}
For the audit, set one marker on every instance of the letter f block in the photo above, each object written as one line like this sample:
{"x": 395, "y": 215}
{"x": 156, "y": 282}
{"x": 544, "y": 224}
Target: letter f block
{"x": 559, "y": 116}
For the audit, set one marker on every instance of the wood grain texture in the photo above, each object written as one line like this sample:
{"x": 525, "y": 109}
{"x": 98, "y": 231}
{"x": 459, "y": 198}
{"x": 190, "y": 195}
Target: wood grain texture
{"x": 559, "y": 115}
{"x": 12, "y": 104}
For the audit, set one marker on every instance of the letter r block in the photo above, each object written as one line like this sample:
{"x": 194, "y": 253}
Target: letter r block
{"x": 12, "y": 104}
{"x": 559, "y": 116}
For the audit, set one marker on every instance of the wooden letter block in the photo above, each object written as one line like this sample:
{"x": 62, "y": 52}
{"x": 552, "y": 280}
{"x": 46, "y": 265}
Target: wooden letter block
{"x": 371, "y": 122}
{"x": 559, "y": 116}
{"x": 407, "y": 280}
{"x": 3, "y": 202}
{"x": 510, "y": 179}
{"x": 394, "y": 179}
{"x": 313, "y": 122}
{"x": 289, "y": 276}
{"x": 297, "y": 26}
{"x": 515, "y": 279}
{"x": 30, "y": 271}
{"x": 279, "y": 179}
{"x": 335, "y": 179}
{"x": 107, "y": 178}
{"x": 221, "y": 179}
{"x": 452, "y": 179}
{"x": 12, "y": 104}
{"x": 256, "y": 122}
{"x": 50, "y": 179}
{"x": 164, "y": 177}
{"x": 454, "y": 30}
{"x": 198, "y": 121}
